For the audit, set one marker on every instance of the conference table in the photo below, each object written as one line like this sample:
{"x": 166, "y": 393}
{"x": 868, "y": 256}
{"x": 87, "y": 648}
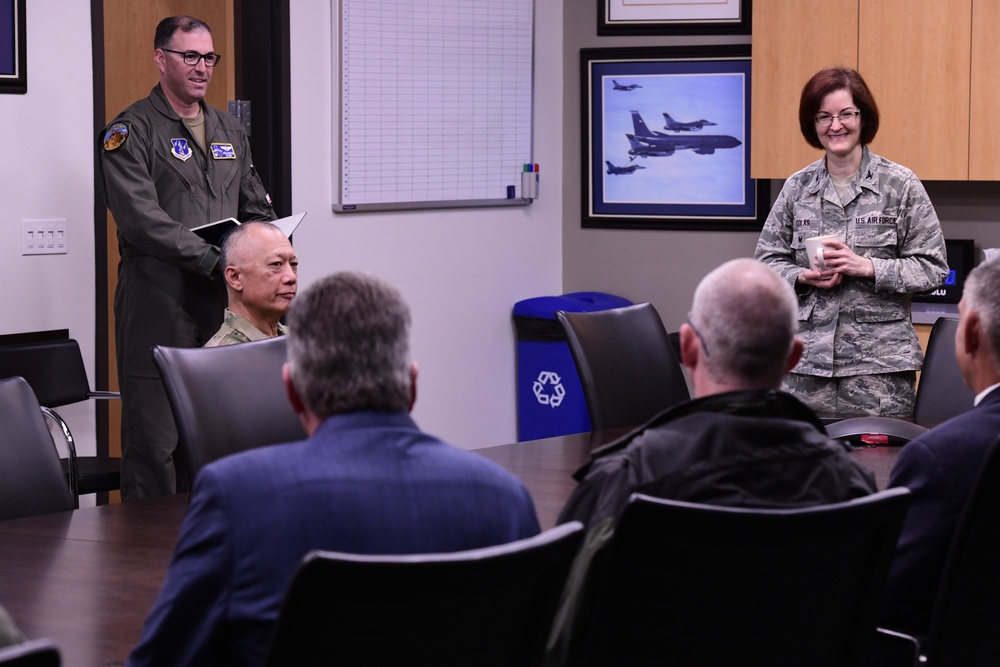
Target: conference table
{"x": 86, "y": 579}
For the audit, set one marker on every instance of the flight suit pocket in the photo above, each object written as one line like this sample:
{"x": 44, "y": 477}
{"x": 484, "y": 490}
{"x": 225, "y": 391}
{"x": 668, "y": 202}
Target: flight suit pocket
{"x": 252, "y": 188}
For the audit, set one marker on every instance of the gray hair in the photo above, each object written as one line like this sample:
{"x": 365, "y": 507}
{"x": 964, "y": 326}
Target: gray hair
{"x": 236, "y": 241}
{"x": 982, "y": 294}
{"x": 348, "y": 345}
{"x": 748, "y": 318}
{"x": 166, "y": 29}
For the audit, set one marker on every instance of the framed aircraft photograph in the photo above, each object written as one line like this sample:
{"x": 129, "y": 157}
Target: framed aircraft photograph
{"x": 13, "y": 78}
{"x": 666, "y": 139}
{"x": 673, "y": 17}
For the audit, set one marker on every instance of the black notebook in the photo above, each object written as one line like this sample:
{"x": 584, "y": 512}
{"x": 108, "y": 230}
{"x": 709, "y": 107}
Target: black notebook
{"x": 214, "y": 232}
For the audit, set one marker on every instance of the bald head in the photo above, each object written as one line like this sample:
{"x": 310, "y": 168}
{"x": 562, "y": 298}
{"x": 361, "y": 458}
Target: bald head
{"x": 261, "y": 271}
{"x": 747, "y": 318}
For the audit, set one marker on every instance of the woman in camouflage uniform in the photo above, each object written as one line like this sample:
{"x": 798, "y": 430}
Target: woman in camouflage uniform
{"x": 862, "y": 352}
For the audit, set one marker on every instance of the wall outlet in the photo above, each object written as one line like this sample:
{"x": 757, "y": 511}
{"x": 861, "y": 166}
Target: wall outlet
{"x": 43, "y": 237}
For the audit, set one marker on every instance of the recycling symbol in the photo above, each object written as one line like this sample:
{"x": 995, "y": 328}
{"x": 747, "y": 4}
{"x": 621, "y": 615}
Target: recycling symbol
{"x": 548, "y": 389}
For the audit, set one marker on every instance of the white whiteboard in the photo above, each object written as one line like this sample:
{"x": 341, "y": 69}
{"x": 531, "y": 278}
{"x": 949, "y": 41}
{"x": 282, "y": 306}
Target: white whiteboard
{"x": 435, "y": 101}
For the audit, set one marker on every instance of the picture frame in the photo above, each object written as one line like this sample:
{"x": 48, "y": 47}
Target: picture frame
{"x": 674, "y": 17}
{"x": 13, "y": 49}
{"x": 666, "y": 139}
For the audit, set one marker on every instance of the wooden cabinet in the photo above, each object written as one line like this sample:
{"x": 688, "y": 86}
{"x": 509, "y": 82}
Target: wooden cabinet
{"x": 792, "y": 40}
{"x": 984, "y": 145}
{"x": 931, "y": 66}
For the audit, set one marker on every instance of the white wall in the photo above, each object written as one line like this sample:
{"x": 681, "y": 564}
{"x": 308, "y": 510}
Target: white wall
{"x": 460, "y": 270}
{"x": 47, "y": 172}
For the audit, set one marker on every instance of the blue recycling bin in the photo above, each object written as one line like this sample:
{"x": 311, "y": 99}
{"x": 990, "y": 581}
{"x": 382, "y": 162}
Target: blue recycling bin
{"x": 550, "y": 398}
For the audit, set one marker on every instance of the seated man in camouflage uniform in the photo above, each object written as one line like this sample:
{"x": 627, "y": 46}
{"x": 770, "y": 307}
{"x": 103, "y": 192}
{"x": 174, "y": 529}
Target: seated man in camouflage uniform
{"x": 261, "y": 272}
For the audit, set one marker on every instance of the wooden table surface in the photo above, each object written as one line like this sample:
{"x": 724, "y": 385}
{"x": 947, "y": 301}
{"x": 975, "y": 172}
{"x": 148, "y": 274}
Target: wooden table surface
{"x": 87, "y": 578}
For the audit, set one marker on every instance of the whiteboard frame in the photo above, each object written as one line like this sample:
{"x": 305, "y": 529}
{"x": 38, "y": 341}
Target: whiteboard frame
{"x": 338, "y": 103}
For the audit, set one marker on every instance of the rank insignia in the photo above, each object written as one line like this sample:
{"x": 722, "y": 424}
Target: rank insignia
{"x": 223, "y": 152}
{"x": 115, "y": 136}
{"x": 179, "y": 149}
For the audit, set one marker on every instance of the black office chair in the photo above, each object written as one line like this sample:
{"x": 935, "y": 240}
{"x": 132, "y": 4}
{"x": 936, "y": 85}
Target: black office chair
{"x": 227, "y": 399}
{"x": 941, "y": 395}
{"x": 626, "y": 363}
{"x": 687, "y": 584}
{"x": 966, "y": 613}
{"x": 32, "y": 480}
{"x": 490, "y": 606}
{"x": 33, "y": 653}
{"x": 56, "y": 373}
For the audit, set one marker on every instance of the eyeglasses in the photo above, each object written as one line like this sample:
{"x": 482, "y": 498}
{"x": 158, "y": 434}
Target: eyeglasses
{"x": 701, "y": 339}
{"x": 192, "y": 57}
{"x": 845, "y": 117}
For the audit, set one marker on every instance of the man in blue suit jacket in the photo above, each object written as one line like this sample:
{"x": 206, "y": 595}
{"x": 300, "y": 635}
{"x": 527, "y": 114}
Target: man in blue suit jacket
{"x": 940, "y": 466}
{"x": 366, "y": 481}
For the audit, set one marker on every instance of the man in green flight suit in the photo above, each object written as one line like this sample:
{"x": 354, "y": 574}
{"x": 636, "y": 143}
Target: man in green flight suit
{"x": 170, "y": 163}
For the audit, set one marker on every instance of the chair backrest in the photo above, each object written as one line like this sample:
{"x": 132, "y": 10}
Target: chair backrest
{"x": 626, "y": 364}
{"x": 54, "y": 370}
{"x": 33, "y": 653}
{"x": 691, "y": 584}
{"x": 227, "y": 399}
{"x": 490, "y": 606}
{"x": 942, "y": 392}
{"x": 31, "y": 477}
{"x": 967, "y": 609}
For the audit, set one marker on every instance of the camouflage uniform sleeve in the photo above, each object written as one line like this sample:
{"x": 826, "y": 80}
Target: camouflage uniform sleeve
{"x": 923, "y": 261}
{"x": 774, "y": 247}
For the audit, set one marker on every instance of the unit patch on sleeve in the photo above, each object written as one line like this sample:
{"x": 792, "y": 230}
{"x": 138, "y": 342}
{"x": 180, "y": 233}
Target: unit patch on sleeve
{"x": 116, "y": 135}
{"x": 223, "y": 152}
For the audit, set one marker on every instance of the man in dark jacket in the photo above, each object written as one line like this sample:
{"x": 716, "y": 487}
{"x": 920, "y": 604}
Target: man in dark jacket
{"x": 741, "y": 441}
{"x": 940, "y": 467}
{"x": 170, "y": 162}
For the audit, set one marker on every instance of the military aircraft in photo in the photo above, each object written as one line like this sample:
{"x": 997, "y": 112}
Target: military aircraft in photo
{"x": 647, "y": 143}
{"x": 612, "y": 169}
{"x": 677, "y": 126}
{"x": 631, "y": 86}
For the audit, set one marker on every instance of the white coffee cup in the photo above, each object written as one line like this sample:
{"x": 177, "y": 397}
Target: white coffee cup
{"x": 815, "y": 249}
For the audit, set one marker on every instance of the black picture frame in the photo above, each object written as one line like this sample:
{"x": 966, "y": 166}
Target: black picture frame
{"x": 13, "y": 49}
{"x": 621, "y": 17}
{"x": 693, "y": 175}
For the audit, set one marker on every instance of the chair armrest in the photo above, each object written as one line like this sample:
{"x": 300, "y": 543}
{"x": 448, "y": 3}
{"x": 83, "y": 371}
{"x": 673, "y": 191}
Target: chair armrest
{"x": 74, "y": 469}
{"x": 894, "y": 649}
{"x": 104, "y": 395}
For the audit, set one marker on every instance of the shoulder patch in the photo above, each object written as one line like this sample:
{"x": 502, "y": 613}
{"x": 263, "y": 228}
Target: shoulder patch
{"x": 116, "y": 135}
{"x": 222, "y": 151}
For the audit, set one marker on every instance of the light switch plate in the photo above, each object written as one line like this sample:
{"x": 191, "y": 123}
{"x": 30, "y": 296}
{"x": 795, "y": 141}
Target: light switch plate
{"x": 44, "y": 237}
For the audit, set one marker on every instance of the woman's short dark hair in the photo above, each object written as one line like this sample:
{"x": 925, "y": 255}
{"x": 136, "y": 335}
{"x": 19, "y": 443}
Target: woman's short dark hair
{"x": 830, "y": 80}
